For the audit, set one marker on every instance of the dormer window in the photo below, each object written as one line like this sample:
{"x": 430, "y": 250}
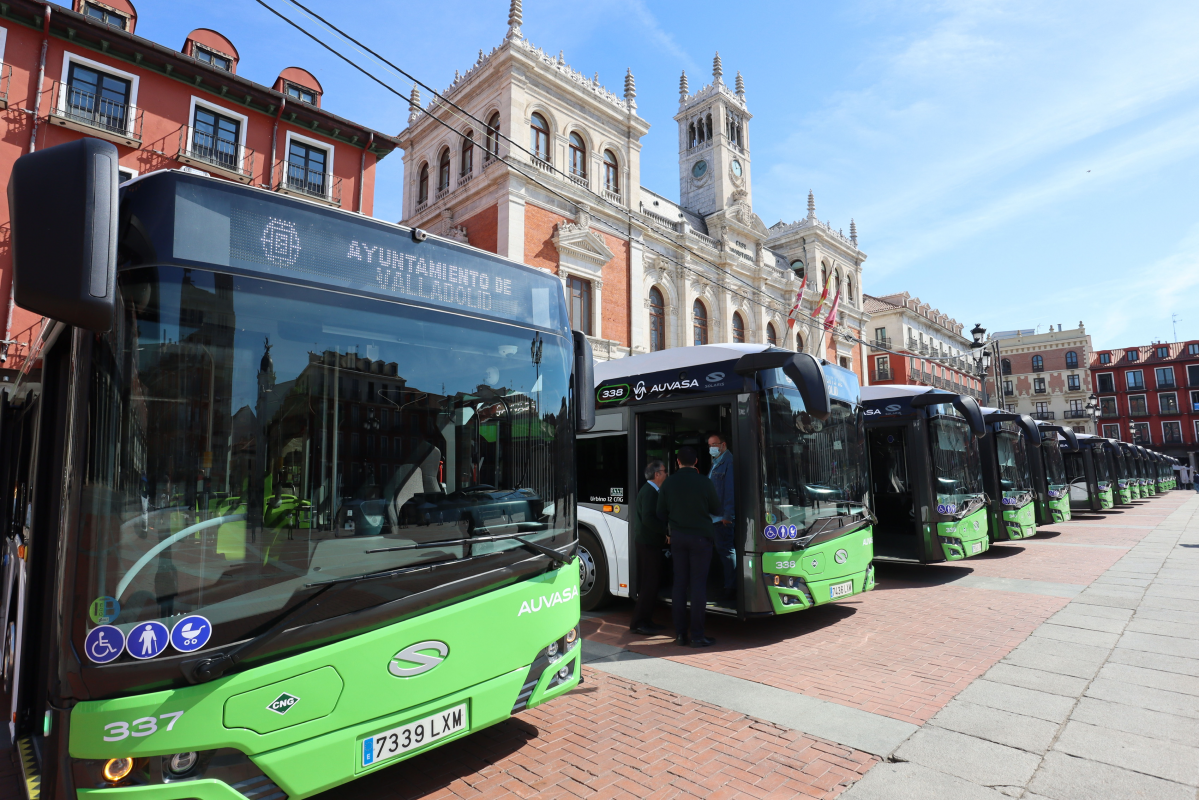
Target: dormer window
{"x": 213, "y": 58}
{"x": 301, "y": 94}
{"x": 105, "y": 15}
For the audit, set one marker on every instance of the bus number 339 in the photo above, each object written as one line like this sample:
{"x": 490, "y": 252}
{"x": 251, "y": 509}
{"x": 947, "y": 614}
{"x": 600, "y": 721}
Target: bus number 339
{"x": 116, "y": 731}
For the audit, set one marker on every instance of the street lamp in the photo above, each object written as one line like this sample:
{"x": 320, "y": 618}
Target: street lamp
{"x": 978, "y": 331}
{"x": 1092, "y": 408}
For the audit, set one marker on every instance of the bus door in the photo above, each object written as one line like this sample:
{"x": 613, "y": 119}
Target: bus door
{"x": 897, "y": 532}
{"x": 661, "y": 433}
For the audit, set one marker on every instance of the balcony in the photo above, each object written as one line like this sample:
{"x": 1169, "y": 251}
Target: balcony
{"x": 1038, "y": 369}
{"x": 464, "y": 178}
{"x": 1074, "y": 413}
{"x": 613, "y": 196}
{"x": 297, "y": 181}
{"x": 1044, "y": 415}
{"x": 101, "y": 117}
{"x": 881, "y": 343}
{"x": 880, "y": 375}
{"x": 1039, "y": 390}
{"x": 227, "y": 159}
{"x": 1009, "y": 392}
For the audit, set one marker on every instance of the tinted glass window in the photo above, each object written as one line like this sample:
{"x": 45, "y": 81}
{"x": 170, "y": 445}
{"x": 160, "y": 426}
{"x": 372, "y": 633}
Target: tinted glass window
{"x": 1105, "y": 382}
{"x": 603, "y": 469}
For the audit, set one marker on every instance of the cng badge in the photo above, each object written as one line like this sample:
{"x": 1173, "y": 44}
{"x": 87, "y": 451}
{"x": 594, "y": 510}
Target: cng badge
{"x": 283, "y": 703}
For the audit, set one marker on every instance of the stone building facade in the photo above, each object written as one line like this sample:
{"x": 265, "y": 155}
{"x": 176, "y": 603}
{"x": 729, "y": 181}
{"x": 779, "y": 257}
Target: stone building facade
{"x": 914, "y": 343}
{"x": 1047, "y": 375}
{"x": 542, "y": 165}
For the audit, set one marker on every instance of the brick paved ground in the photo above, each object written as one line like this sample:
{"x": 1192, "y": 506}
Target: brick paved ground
{"x": 903, "y": 651}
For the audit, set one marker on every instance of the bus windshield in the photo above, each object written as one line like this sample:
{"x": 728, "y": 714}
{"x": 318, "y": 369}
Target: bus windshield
{"x": 1055, "y": 465}
{"x": 250, "y": 439}
{"x": 1102, "y": 466}
{"x": 814, "y": 470}
{"x": 1013, "y": 462}
{"x": 1122, "y": 468}
{"x": 956, "y": 463}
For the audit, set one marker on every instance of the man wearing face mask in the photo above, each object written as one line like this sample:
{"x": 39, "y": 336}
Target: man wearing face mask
{"x": 721, "y": 476}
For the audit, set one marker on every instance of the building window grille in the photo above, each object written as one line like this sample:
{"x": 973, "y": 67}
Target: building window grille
{"x": 580, "y": 304}
{"x": 699, "y": 324}
{"x": 97, "y": 98}
{"x": 307, "y": 169}
{"x": 1071, "y": 359}
{"x": 539, "y": 137}
{"x": 657, "y": 320}
{"x": 213, "y": 59}
{"x": 738, "y": 328}
{"x": 215, "y": 138}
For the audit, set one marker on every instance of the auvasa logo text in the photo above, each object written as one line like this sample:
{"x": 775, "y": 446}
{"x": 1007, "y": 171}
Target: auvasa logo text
{"x": 545, "y": 601}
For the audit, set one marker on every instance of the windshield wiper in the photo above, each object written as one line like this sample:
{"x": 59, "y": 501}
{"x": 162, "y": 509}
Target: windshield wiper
{"x": 525, "y": 543}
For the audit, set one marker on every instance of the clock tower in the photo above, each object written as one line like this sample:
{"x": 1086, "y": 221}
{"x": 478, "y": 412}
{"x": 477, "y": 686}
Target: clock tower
{"x": 714, "y": 169}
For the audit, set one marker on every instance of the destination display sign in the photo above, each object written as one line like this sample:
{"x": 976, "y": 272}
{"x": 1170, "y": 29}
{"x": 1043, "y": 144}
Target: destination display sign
{"x": 716, "y": 377}
{"x": 223, "y": 225}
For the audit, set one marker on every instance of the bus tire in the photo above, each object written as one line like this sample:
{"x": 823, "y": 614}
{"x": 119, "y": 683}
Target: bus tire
{"x": 593, "y": 571}
{"x": 8, "y": 656}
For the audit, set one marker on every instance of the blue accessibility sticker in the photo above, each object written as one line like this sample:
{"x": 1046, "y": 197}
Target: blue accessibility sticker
{"x": 104, "y": 643}
{"x": 792, "y": 531}
{"x": 148, "y": 639}
{"x": 190, "y": 634}
{"x": 771, "y": 532}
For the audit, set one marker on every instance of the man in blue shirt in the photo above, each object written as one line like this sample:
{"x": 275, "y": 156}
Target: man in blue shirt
{"x": 721, "y": 476}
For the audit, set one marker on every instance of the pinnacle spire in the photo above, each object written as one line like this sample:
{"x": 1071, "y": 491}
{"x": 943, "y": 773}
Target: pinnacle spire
{"x": 684, "y": 90}
{"x": 630, "y": 88}
{"x": 414, "y": 100}
{"x": 717, "y": 69}
{"x": 853, "y": 231}
{"x": 515, "y": 18}
{"x": 811, "y": 205}
{"x": 740, "y": 86}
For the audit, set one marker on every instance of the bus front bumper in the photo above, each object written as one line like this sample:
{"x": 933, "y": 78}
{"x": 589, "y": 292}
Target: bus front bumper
{"x": 834, "y": 570}
{"x": 966, "y": 537}
{"x": 1019, "y": 523}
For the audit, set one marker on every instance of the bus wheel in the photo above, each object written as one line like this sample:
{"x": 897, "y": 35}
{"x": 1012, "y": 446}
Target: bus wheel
{"x": 593, "y": 572}
{"x": 10, "y": 656}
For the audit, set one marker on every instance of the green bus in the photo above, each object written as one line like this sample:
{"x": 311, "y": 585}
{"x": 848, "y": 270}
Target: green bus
{"x": 926, "y": 474}
{"x": 292, "y": 496}
{"x": 1089, "y": 470}
{"x": 1050, "y": 475}
{"x": 803, "y": 532}
{"x": 1011, "y": 444}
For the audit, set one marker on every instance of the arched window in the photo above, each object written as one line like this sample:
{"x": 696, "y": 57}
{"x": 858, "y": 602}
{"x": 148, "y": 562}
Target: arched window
{"x": 493, "y": 137}
{"x": 708, "y": 125}
{"x": 578, "y": 156}
{"x": 1071, "y": 359}
{"x": 691, "y": 136}
{"x": 798, "y": 342}
{"x": 422, "y": 186}
{"x": 738, "y": 328}
{"x": 611, "y": 172}
{"x": 467, "y": 161}
{"x": 772, "y": 338}
{"x": 700, "y": 130}
{"x": 1006, "y": 366}
{"x": 849, "y": 289}
{"x": 657, "y": 320}
{"x": 798, "y": 267}
{"x": 823, "y": 275}
{"x": 1038, "y": 363}
{"x": 443, "y": 170}
{"x": 539, "y": 137}
{"x": 699, "y": 327}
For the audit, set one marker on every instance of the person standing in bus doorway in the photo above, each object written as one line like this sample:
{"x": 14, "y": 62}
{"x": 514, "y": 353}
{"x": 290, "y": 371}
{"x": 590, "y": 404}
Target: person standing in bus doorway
{"x": 686, "y": 502}
{"x": 650, "y": 539}
{"x": 721, "y": 476}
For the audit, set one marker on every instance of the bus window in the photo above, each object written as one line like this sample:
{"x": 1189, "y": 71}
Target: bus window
{"x": 603, "y": 467}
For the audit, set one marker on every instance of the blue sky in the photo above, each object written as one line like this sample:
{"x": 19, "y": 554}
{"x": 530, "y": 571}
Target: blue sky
{"x": 1013, "y": 163}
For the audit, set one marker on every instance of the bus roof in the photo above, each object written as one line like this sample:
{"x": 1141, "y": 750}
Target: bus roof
{"x": 673, "y": 358}
{"x": 893, "y": 390}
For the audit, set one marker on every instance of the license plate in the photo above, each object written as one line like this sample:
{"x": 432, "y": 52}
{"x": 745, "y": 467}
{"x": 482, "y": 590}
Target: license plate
{"x": 414, "y": 735}
{"x": 840, "y": 589}
{"x": 977, "y": 547}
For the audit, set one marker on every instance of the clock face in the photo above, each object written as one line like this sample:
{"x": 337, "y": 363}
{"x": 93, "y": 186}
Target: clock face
{"x": 737, "y": 168}
{"x": 699, "y": 169}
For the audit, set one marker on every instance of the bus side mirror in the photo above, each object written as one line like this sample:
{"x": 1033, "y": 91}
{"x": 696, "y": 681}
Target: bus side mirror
{"x": 584, "y": 383}
{"x": 973, "y": 414}
{"x": 1071, "y": 438}
{"x": 803, "y": 370}
{"x": 63, "y": 202}
{"x": 1031, "y": 431}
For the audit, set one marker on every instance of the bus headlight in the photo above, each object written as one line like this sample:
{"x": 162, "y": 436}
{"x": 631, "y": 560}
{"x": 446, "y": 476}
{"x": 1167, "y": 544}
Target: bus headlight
{"x": 116, "y": 770}
{"x": 182, "y": 763}
{"x": 572, "y": 636}
{"x": 552, "y": 650}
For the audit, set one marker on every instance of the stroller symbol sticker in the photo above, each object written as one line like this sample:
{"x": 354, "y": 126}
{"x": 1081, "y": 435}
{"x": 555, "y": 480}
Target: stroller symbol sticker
{"x": 190, "y": 634}
{"x": 148, "y": 639}
{"x": 103, "y": 644}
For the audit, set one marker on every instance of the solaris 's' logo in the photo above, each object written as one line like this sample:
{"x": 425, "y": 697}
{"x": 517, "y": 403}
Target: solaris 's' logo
{"x": 280, "y": 242}
{"x": 415, "y": 654}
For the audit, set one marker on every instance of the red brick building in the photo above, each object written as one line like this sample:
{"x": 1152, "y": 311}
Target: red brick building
{"x": 81, "y": 71}
{"x": 1149, "y": 394}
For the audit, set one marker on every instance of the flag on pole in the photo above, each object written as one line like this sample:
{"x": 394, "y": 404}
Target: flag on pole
{"x": 828, "y": 284}
{"x": 831, "y": 319}
{"x": 798, "y": 298}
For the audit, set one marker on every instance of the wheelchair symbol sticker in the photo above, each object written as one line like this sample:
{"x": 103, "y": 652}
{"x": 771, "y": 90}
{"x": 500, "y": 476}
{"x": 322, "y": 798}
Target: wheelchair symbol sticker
{"x": 190, "y": 634}
{"x": 147, "y": 639}
{"x": 103, "y": 644}
{"x": 771, "y": 532}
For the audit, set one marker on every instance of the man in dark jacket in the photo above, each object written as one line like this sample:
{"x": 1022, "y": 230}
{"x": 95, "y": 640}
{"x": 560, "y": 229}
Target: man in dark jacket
{"x": 650, "y": 540}
{"x": 721, "y": 476}
{"x": 687, "y": 501}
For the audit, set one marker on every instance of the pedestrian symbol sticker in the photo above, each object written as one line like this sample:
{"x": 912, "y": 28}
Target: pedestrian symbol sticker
{"x": 104, "y": 610}
{"x": 103, "y": 644}
{"x": 148, "y": 639}
{"x": 190, "y": 634}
